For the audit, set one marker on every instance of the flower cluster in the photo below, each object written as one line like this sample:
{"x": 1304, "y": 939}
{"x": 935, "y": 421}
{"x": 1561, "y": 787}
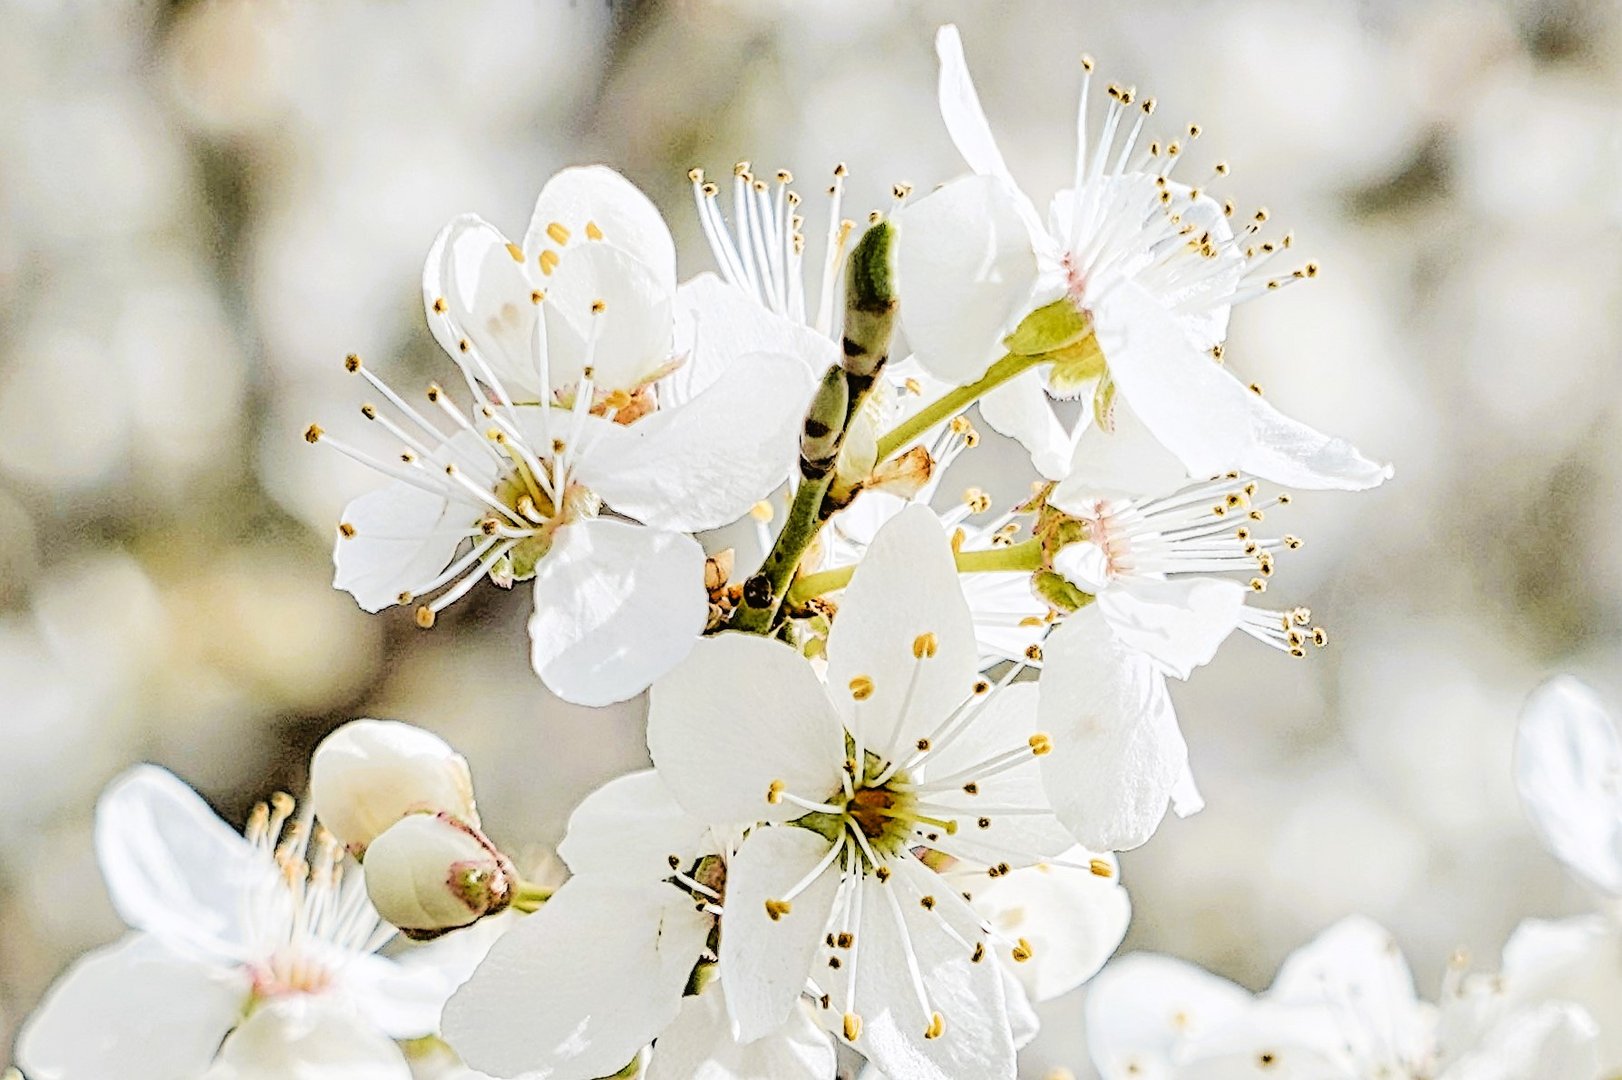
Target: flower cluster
{"x": 896, "y": 739}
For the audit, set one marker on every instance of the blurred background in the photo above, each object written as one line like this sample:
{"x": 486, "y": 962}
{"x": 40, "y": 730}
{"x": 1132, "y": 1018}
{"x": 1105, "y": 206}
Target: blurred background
{"x": 204, "y": 205}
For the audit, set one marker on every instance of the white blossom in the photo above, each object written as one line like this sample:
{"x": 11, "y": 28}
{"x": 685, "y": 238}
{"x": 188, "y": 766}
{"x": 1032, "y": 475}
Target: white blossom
{"x": 1343, "y": 1007}
{"x": 1150, "y": 269}
{"x": 859, "y": 785}
{"x": 265, "y": 941}
{"x": 578, "y": 406}
{"x": 623, "y": 955}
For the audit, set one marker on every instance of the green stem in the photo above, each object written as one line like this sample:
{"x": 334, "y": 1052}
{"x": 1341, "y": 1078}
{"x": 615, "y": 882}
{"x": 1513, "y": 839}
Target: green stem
{"x": 1026, "y": 555}
{"x": 950, "y": 404}
{"x": 799, "y": 529}
{"x": 528, "y": 897}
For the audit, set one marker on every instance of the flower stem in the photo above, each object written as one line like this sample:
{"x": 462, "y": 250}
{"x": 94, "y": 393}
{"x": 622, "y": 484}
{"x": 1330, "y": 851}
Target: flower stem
{"x": 1026, "y": 555}
{"x": 950, "y": 404}
{"x": 528, "y": 897}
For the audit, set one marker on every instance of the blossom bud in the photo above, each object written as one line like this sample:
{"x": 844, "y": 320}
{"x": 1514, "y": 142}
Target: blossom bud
{"x": 824, "y": 427}
{"x": 431, "y": 873}
{"x": 368, "y": 774}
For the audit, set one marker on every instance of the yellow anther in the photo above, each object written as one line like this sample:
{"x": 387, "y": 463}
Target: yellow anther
{"x": 696, "y": 175}
{"x": 982, "y": 686}
{"x": 351, "y": 363}
{"x": 776, "y": 909}
{"x": 958, "y": 536}
{"x": 464, "y": 345}
{"x": 425, "y": 617}
{"x": 762, "y": 511}
{"x": 1320, "y": 636}
{"x": 1021, "y": 951}
{"x": 598, "y": 306}
{"x": 1100, "y": 868}
{"x": 558, "y": 233}
{"x": 853, "y": 1027}
{"x": 549, "y": 261}
{"x": 937, "y": 1024}
{"x": 861, "y": 687}
{"x": 1087, "y": 63}
{"x": 593, "y": 232}
{"x": 914, "y": 386}
{"x": 784, "y": 176}
{"x": 439, "y": 305}
{"x": 924, "y": 645}
{"x": 313, "y": 433}
{"x": 346, "y": 530}
{"x": 1256, "y": 388}
{"x": 516, "y": 252}
{"x": 404, "y": 598}
{"x": 1041, "y": 744}
{"x": 536, "y": 296}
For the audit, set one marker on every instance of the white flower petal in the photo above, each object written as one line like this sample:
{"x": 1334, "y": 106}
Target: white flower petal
{"x": 1117, "y": 751}
{"x": 173, "y": 868}
{"x": 1142, "y": 1007}
{"x": 630, "y": 826}
{"x": 966, "y": 271}
{"x": 1124, "y": 461}
{"x": 401, "y": 999}
{"x": 606, "y": 310}
{"x": 486, "y": 294}
{"x": 583, "y": 984}
{"x": 587, "y": 196}
{"x": 1186, "y": 799}
{"x": 1179, "y": 623}
{"x": 308, "y": 1038}
{"x": 405, "y": 536}
{"x": 698, "y": 1045}
{"x": 961, "y": 110}
{"x": 1357, "y": 960}
{"x": 705, "y": 463}
{"x": 616, "y": 606}
{"x": 766, "y": 956}
{"x": 975, "y": 1039}
{"x": 1073, "y": 918}
{"x": 1006, "y": 722}
{"x": 741, "y": 713}
{"x": 1568, "y": 764}
{"x": 717, "y": 324}
{"x": 1201, "y": 413}
{"x": 905, "y": 586}
{"x": 1020, "y": 409}
{"x": 135, "y": 1010}
{"x": 1555, "y": 1041}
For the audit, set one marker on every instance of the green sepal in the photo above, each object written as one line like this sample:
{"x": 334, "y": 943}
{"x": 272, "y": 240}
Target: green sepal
{"x": 1049, "y": 329}
{"x": 1059, "y": 593}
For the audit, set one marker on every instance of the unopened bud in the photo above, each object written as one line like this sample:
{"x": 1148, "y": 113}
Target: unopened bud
{"x": 430, "y": 873}
{"x": 870, "y": 304}
{"x": 824, "y": 427}
{"x": 369, "y": 774}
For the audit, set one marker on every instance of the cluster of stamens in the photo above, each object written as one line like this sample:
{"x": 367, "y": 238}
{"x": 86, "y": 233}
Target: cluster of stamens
{"x": 305, "y": 915}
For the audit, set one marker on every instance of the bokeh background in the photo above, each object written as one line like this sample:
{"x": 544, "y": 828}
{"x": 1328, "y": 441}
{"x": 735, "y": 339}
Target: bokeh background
{"x": 204, "y": 205}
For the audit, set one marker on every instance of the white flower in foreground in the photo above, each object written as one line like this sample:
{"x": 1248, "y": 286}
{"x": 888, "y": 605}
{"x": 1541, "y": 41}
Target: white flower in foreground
{"x": 1147, "y": 270}
{"x": 368, "y": 774}
{"x": 264, "y": 941}
{"x": 903, "y": 755}
{"x": 621, "y": 956}
{"x": 1342, "y": 1007}
{"x": 588, "y": 450}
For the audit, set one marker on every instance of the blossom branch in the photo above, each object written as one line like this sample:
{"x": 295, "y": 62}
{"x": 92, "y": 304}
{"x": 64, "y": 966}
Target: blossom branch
{"x": 870, "y": 309}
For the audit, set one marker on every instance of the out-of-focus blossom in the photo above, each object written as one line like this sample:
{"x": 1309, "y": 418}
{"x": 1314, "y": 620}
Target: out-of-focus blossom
{"x": 227, "y": 926}
{"x": 1342, "y": 1007}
